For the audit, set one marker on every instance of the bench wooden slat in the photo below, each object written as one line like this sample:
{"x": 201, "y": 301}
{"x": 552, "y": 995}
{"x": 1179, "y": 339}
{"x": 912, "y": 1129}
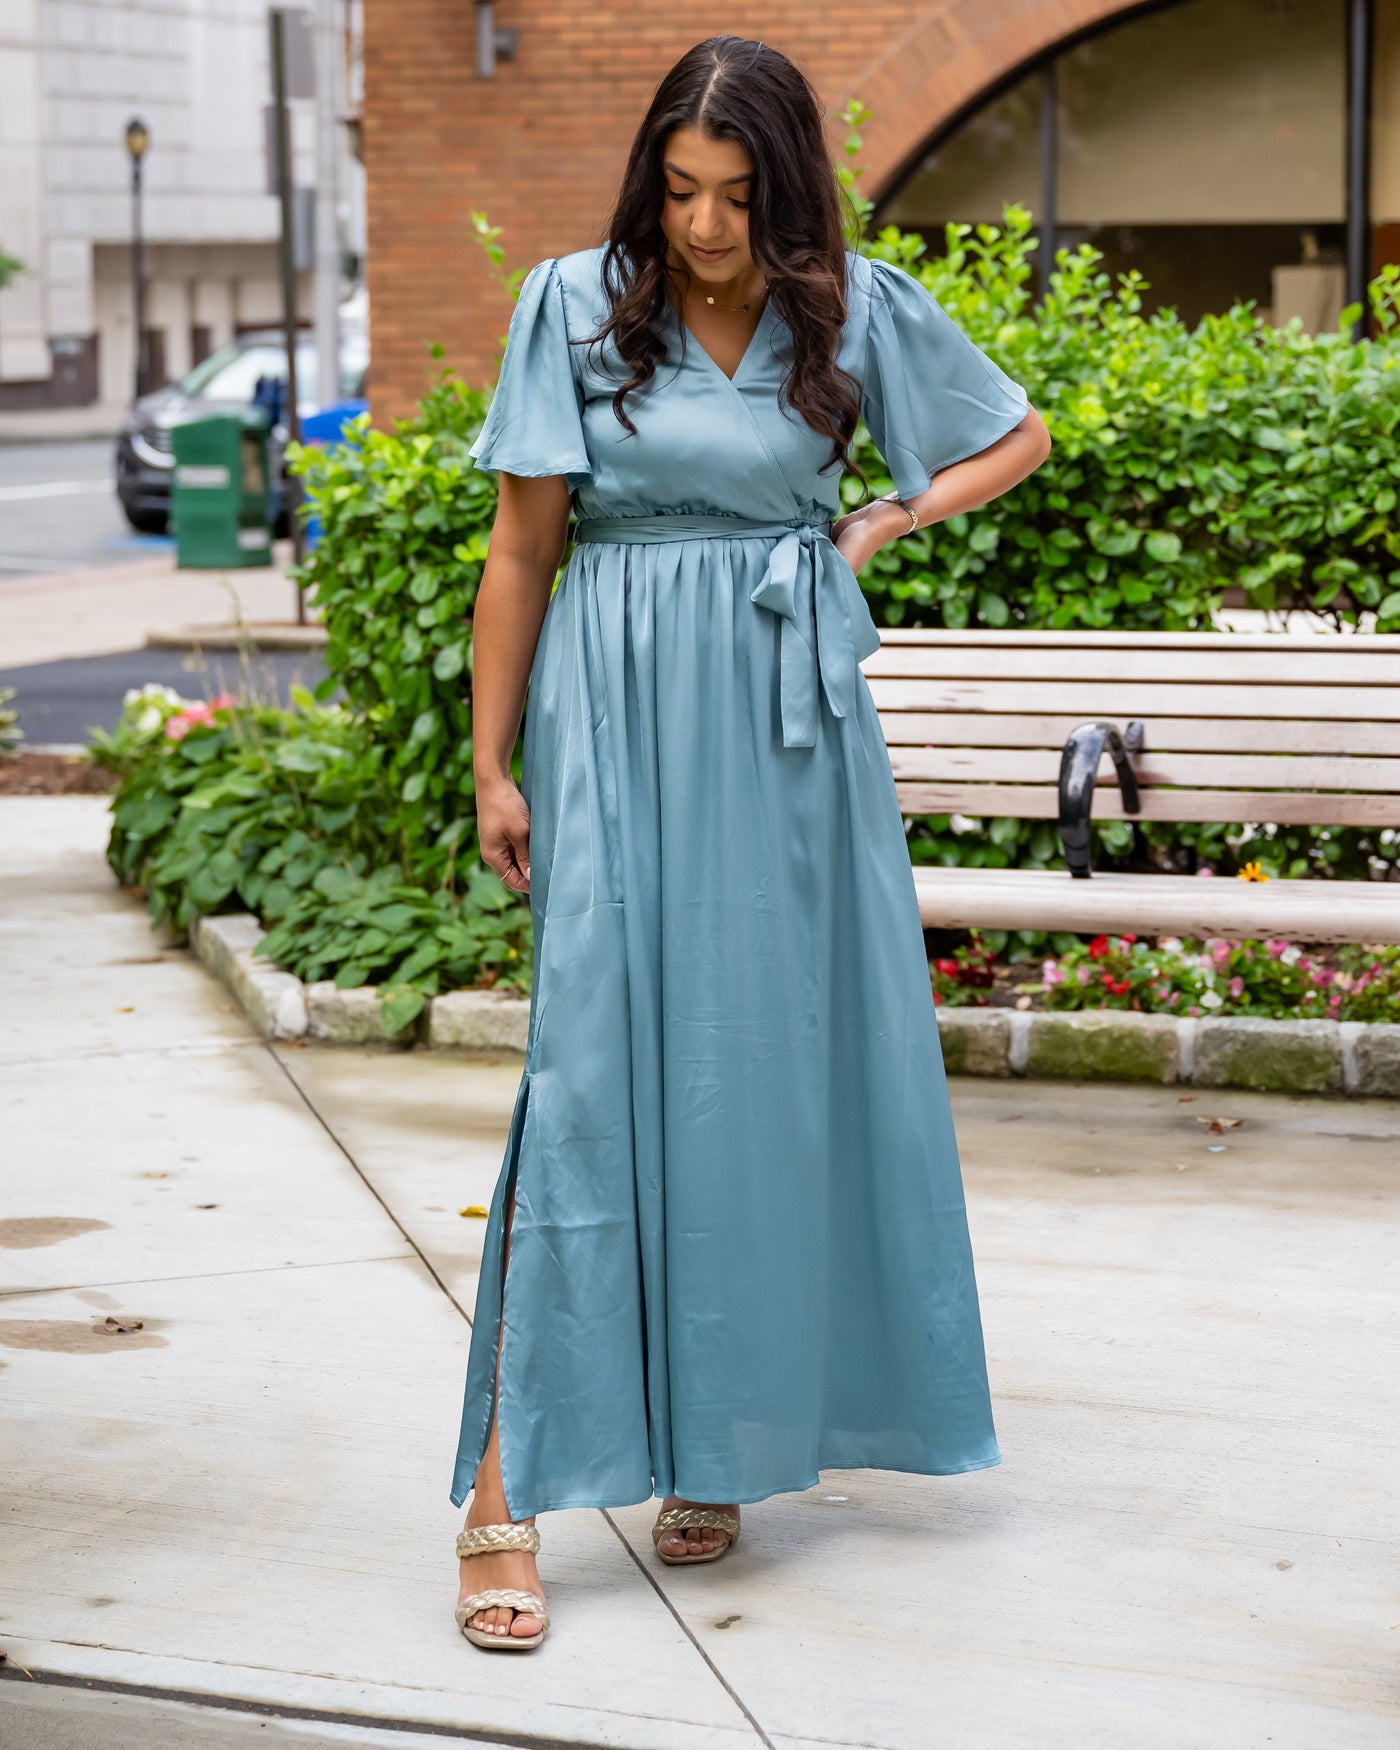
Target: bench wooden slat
{"x": 1137, "y": 640}
{"x": 1041, "y": 802}
{"x": 1183, "y": 905}
{"x": 1219, "y": 665}
{"x": 1203, "y": 771}
{"x": 1120, "y": 701}
{"x": 1183, "y": 734}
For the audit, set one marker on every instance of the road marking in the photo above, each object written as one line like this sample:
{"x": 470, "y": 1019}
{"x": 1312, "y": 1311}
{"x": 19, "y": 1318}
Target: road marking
{"x": 53, "y": 489}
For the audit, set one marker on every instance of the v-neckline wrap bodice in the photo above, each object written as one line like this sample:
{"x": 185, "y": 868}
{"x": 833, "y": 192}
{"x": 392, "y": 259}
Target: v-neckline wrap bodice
{"x": 825, "y": 624}
{"x": 738, "y": 1252}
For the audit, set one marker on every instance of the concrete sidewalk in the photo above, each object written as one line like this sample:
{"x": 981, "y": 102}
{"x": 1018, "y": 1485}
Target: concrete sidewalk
{"x": 234, "y": 1521}
{"x": 104, "y": 608}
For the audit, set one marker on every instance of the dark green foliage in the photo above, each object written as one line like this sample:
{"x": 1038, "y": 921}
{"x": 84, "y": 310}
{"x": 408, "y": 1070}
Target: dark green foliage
{"x": 1185, "y": 460}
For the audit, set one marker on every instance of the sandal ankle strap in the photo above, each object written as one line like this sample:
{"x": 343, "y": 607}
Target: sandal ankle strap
{"x": 478, "y": 1540}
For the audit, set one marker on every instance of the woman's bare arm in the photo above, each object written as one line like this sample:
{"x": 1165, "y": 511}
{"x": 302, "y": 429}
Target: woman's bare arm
{"x": 527, "y": 542}
{"x": 964, "y": 486}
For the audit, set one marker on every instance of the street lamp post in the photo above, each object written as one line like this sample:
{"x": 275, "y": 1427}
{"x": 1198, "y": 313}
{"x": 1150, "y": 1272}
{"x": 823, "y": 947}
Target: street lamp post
{"x": 137, "y": 140}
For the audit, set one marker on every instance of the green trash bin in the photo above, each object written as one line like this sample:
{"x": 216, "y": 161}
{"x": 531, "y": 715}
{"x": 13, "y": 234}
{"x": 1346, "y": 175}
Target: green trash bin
{"x": 221, "y": 492}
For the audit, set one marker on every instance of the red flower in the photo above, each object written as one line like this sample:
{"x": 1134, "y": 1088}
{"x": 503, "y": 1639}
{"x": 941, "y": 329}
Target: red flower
{"x": 950, "y": 968}
{"x": 1127, "y": 938}
{"x": 1098, "y": 947}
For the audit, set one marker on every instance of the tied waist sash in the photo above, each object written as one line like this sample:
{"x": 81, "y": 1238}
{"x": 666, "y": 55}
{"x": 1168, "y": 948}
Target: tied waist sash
{"x": 824, "y": 622}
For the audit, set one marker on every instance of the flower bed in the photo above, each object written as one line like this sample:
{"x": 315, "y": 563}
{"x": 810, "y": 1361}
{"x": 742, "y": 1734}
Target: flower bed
{"x": 1167, "y": 975}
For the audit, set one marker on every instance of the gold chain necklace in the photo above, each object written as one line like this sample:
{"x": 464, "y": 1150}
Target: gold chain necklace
{"x": 715, "y": 304}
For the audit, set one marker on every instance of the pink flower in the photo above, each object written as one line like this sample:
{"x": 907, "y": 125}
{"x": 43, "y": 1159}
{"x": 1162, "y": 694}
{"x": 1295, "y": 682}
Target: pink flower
{"x": 1334, "y": 1001}
{"x": 1275, "y": 948}
{"x": 1193, "y": 1010}
{"x": 1236, "y": 987}
{"x": 1219, "y": 951}
{"x": 1051, "y": 972}
{"x": 202, "y": 711}
{"x": 1203, "y": 870}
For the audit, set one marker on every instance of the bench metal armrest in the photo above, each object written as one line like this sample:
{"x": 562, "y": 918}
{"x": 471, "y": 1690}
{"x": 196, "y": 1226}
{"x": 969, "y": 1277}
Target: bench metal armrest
{"x": 1079, "y": 766}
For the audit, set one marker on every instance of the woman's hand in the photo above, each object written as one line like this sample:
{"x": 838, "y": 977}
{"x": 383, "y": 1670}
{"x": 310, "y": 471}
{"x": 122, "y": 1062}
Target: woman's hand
{"x": 860, "y": 535}
{"x": 503, "y": 825}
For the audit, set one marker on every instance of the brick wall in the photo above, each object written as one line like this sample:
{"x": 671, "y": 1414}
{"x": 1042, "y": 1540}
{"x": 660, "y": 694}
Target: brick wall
{"x": 540, "y": 147}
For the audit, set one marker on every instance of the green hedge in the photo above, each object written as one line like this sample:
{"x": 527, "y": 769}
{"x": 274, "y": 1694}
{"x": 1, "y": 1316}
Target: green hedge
{"x": 1185, "y": 460}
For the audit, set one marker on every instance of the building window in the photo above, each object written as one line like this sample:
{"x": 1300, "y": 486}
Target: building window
{"x": 1203, "y": 144}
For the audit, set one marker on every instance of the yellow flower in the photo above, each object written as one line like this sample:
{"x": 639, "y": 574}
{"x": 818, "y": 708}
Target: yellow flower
{"x": 1252, "y": 872}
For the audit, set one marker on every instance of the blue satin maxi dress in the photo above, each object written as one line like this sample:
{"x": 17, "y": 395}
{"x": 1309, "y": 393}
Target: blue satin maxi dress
{"x": 740, "y": 1251}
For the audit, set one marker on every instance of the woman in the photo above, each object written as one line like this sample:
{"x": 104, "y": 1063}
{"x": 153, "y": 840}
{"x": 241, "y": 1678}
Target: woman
{"x": 728, "y": 1247}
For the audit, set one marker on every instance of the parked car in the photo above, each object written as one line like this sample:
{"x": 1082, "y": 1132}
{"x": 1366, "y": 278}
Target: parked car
{"x": 223, "y": 383}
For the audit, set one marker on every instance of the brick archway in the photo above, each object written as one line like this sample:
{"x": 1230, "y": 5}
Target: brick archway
{"x": 943, "y": 62}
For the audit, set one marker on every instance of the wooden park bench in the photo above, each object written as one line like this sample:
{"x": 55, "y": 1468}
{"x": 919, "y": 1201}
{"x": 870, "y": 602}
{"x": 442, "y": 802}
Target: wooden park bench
{"x": 1300, "y": 730}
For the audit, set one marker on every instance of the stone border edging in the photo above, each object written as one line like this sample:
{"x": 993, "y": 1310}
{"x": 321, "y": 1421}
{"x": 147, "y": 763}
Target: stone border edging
{"x": 1117, "y": 1045}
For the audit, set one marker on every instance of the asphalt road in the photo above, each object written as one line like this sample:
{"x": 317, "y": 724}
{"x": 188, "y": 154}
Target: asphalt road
{"x": 59, "y": 509}
{"x": 61, "y": 701}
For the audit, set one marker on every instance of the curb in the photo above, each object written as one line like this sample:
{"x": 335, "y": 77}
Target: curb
{"x": 1361, "y": 1058}
{"x": 259, "y": 634}
{"x": 280, "y": 1006}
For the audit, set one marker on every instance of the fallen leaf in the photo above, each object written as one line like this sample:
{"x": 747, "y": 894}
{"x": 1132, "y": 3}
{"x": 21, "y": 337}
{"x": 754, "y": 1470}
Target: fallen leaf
{"x": 1182, "y": 1099}
{"x": 156, "y": 1173}
{"x": 114, "y": 1326}
{"x": 474, "y": 1209}
{"x": 1219, "y": 1125}
{"x": 130, "y": 1009}
{"x": 1023, "y": 1002}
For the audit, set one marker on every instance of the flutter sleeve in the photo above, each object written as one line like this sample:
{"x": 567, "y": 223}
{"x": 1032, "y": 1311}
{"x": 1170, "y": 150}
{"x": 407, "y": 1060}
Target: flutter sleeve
{"x": 931, "y": 396}
{"x": 534, "y": 425}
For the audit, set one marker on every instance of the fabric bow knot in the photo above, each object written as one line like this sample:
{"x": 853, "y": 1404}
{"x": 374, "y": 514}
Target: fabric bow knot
{"x": 826, "y": 628}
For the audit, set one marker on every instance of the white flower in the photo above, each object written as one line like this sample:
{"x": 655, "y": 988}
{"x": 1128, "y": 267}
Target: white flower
{"x": 1211, "y": 999}
{"x": 149, "y": 719}
{"x": 1291, "y": 956}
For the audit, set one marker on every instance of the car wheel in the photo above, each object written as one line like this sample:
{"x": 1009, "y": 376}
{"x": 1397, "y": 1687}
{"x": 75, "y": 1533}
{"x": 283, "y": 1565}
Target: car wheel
{"x": 147, "y": 522}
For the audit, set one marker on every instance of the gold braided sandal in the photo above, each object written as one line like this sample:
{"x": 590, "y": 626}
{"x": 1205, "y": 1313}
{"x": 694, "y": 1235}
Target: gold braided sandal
{"x": 679, "y": 1518}
{"x": 481, "y": 1540}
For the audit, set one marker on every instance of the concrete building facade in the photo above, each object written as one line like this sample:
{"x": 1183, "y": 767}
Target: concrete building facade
{"x": 1204, "y": 139}
{"x": 72, "y": 74}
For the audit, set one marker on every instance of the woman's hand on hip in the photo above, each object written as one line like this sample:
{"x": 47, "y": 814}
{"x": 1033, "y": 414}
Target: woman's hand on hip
{"x": 503, "y": 825}
{"x": 861, "y": 533}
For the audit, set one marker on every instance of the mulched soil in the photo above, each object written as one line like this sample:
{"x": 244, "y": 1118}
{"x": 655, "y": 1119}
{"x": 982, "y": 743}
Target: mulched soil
{"x": 51, "y": 774}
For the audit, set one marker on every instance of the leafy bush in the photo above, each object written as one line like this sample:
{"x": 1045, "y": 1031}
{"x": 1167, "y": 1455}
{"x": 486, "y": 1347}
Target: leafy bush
{"x": 411, "y": 942}
{"x": 281, "y": 813}
{"x": 405, "y": 519}
{"x": 1184, "y": 461}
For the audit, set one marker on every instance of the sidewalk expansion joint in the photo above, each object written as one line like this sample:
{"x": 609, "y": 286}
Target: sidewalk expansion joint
{"x": 687, "y": 1631}
{"x": 494, "y": 1737}
{"x": 364, "y": 1179}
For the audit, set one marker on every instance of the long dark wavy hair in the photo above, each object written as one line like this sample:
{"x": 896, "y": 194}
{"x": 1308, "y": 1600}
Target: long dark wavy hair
{"x": 733, "y": 89}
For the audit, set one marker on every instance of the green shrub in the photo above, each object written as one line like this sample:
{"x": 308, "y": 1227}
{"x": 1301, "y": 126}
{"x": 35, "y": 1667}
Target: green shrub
{"x": 404, "y": 522}
{"x": 1185, "y": 460}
